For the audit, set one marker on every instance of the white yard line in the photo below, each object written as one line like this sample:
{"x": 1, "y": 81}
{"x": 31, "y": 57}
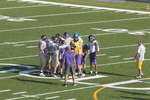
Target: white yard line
{"x": 121, "y": 83}
{"x": 2, "y": 91}
{"x": 72, "y": 99}
{"x": 101, "y": 55}
{"x": 111, "y": 57}
{"x": 60, "y": 14}
{"x": 122, "y": 62}
{"x": 54, "y": 97}
{"x": 15, "y": 98}
{"x": 24, "y": 66}
{"x": 16, "y": 93}
{"x": 84, "y": 6}
{"x": 90, "y": 77}
{"x": 7, "y": 77}
{"x": 32, "y": 47}
{"x": 9, "y": 70}
{"x": 74, "y": 24}
{"x": 18, "y": 45}
{"x": 20, "y": 57}
{"x": 129, "y": 58}
{"x": 33, "y": 6}
{"x": 116, "y": 63}
{"x": 123, "y": 46}
{"x": 14, "y": 43}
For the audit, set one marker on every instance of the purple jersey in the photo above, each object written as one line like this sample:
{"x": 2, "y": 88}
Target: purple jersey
{"x": 68, "y": 58}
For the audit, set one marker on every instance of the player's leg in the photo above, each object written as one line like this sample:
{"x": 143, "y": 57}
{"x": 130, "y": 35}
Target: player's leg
{"x": 95, "y": 65}
{"x": 66, "y": 71}
{"x": 79, "y": 64}
{"x": 42, "y": 63}
{"x": 139, "y": 69}
{"x": 91, "y": 63}
{"x": 72, "y": 70}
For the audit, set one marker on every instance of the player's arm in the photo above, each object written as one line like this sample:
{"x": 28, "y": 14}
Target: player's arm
{"x": 137, "y": 54}
{"x": 41, "y": 48}
{"x": 97, "y": 47}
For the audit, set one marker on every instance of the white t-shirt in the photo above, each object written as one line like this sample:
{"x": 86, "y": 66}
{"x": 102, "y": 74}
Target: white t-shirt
{"x": 42, "y": 44}
{"x": 92, "y": 46}
{"x": 141, "y": 52}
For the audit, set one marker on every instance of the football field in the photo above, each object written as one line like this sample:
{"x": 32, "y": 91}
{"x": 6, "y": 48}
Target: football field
{"x": 117, "y": 27}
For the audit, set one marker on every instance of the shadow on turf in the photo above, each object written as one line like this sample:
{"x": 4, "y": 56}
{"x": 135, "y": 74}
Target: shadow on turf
{"x": 36, "y": 81}
{"x": 116, "y": 74}
{"x": 133, "y": 98}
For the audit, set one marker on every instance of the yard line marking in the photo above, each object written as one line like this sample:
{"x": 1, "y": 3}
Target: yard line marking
{"x": 84, "y": 6}
{"x": 1, "y": 91}
{"x": 18, "y": 45}
{"x": 129, "y": 58}
{"x": 15, "y": 98}
{"x": 122, "y": 62}
{"x": 7, "y": 77}
{"x": 74, "y": 24}
{"x": 90, "y": 77}
{"x": 121, "y": 83}
{"x": 13, "y": 43}
{"x": 31, "y": 46}
{"x": 111, "y": 57}
{"x": 59, "y": 14}
{"x": 20, "y": 57}
{"x": 100, "y": 34}
{"x": 27, "y": 74}
{"x": 85, "y": 83}
{"x": 25, "y": 66}
{"x": 54, "y": 97}
{"x": 20, "y": 93}
{"x": 72, "y": 99}
{"x": 87, "y": 78}
{"x": 123, "y": 46}
{"x": 24, "y": 7}
{"x": 116, "y": 63}
{"x": 10, "y": 70}
{"x": 101, "y": 55}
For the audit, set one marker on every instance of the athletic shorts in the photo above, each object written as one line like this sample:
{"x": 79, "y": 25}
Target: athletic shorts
{"x": 43, "y": 60}
{"x": 139, "y": 64}
{"x": 78, "y": 59}
{"x": 55, "y": 60}
{"x": 92, "y": 58}
{"x": 69, "y": 69}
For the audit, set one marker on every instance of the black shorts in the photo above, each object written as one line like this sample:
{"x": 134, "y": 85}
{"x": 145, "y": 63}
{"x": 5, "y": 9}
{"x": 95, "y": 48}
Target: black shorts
{"x": 69, "y": 69}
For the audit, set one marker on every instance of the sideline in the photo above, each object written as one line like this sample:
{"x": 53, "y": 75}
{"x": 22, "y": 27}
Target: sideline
{"x": 83, "y": 6}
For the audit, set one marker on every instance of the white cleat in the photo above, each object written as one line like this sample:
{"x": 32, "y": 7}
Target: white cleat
{"x": 42, "y": 74}
{"x": 139, "y": 77}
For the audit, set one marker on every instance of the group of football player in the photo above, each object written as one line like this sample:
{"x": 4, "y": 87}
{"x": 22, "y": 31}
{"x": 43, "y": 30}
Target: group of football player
{"x": 63, "y": 54}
